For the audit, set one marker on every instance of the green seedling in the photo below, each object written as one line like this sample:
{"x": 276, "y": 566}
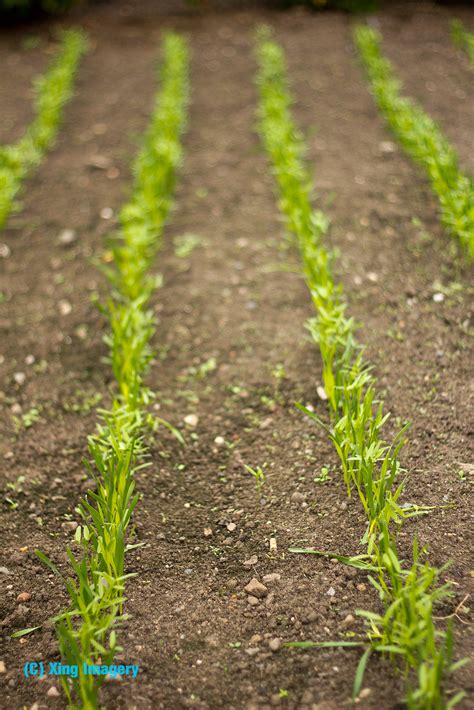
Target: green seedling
{"x": 203, "y": 369}
{"x": 27, "y": 420}
{"x": 83, "y": 403}
{"x": 185, "y": 244}
{"x": 259, "y": 478}
{"x": 52, "y": 90}
{"x": 371, "y": 466}
{"x": 17, "y": 485}
{"x": 86, "y": 631}
{"x": 279, "y": 372}
{"x": 422, "y": 139}
{"x": 324, "y": 476}
{"x": 463, "y": 39}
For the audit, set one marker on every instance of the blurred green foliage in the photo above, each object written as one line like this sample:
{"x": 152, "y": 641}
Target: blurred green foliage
{"x": 347, "y": 5}
{"x": 24, "y": 8}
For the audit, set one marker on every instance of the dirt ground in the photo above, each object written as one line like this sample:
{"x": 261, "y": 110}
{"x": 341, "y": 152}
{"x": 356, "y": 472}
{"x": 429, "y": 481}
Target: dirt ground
{"x": 232, "y": 350}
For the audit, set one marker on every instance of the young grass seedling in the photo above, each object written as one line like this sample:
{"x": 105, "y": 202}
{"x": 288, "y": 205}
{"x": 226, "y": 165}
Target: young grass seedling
{"x": 463, "y": 39}
{"x": 53, "y": 90}
{"x": 371, "y": 467}
{"x": 422, "y": 139}
{"x": 87, "y": 629}
{"x": 259, "y": 478}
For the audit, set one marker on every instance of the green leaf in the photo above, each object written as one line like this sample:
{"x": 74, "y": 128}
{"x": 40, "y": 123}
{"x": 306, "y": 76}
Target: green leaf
{"x": 356, "y": 561}
{"x": 25, "y": 632}
{"x": 457, "y": 699}
{"x": 172, "y": 429}
{"x": 323, "y": 644}
{"x": 48, "y": 563}
{"x": 359, "y": 676}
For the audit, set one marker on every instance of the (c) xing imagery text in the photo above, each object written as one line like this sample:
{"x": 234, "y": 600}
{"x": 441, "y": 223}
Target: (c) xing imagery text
{"x": 56, "y": 668}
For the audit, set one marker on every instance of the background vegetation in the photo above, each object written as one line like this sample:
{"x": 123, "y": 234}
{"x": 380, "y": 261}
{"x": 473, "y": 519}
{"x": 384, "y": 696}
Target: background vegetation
{"x": 26, "y": 8}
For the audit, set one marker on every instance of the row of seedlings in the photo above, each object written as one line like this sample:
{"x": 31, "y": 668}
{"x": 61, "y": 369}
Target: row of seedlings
{"x": 53, "y": 90}
{"x": 463, "y": 39}
{"x": 86, "y": 630}
{"x": 422, "y": 139}
{"x": 371, "y": 467}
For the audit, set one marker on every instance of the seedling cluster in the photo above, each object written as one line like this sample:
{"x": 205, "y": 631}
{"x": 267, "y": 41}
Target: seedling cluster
{"x": 53, "y": 90}
{"x": 370, "y": 465}
{"x": 422, "y": 139}
{"x": 463, "y": 39}
{"x": 87, "y": 629}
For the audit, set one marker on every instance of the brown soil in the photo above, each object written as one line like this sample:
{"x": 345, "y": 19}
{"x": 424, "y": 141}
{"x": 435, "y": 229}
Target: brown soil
{"x": 236, "y": 299}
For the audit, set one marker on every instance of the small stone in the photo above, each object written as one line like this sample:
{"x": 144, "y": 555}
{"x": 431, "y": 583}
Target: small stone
{"x": 23, "y": 597}
{"x": 252, "y": 651}
{"x": 387, "y": 147}
{"x": 35, "y": 706}
{"x": 272, "y": 578}
{"x": 19, "y": 378}
{"x": 438, "y": 297}
{"x": 207, "y": 532}
{"x": 231, "y": 527}
{"x": 4, "y": 251}
{"x": 2, "y": 667}
{"x": 361, "y": 587}
{"x": 4, "y": 570}
{"x": 372, "y": 276}
{"x": 53, "y": 692}
{"x": 69, "y": 525}
{"x": 331, "y": 592}
{"x": 273, "y": 544}
{"x": 348, "y": 621}
{"x": 253, "y": 601}
{"x": 298, "y": 497}
{"x": 107, "y": 213}
{"x": 67, "y": 236}
{"x": 219, "y": 441}
{"x": 365, "y": 692}
{"x": 256, "y": 588}
{"x": 81, "y": 332}
{"x": 65, "y": 307}
{"x": 191, "y": 420}
{"x": 274, "y": 644}
{"x": 101, "y": 162}
{"x": 322, "y": 394}
{"x": 251, "y": 561}
{"x": 113, "y": 678}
